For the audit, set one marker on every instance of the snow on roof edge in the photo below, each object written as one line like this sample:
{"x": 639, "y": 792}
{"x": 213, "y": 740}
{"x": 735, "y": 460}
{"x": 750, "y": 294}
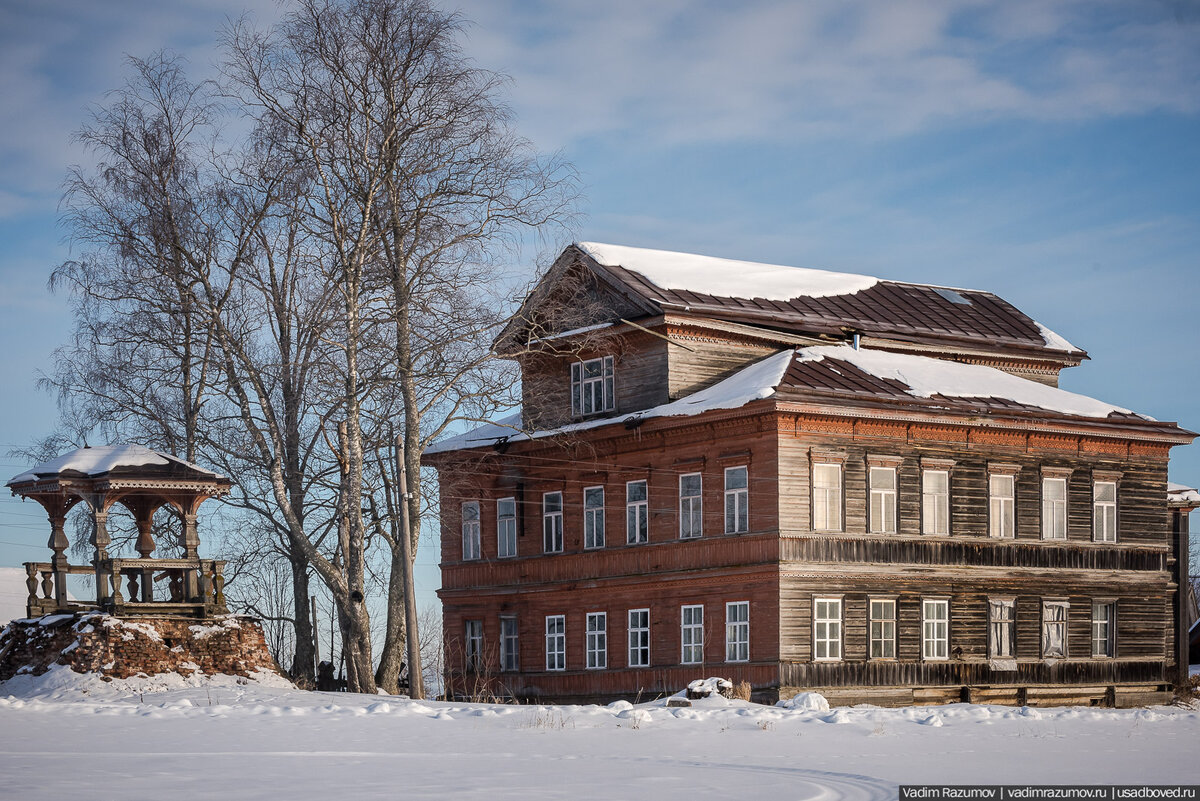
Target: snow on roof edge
{"x": 100, "y": 459}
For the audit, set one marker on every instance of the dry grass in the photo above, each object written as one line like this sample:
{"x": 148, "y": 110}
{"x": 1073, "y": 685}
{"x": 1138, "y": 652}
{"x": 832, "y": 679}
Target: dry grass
{"x": 741, "y": 691}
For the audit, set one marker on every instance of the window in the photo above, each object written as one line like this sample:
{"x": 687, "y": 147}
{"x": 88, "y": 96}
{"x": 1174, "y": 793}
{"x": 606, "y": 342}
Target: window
{"x": 883, "y": 628}
{"x": 473, "y": 637}
{"x": 1001, "y": 506}
{"x": 1002, "y": 629}
{"x": 556, "y": 642}
{"x": 592, "y": 386}
{"x": 593, "y": 517}
{"x": 470, "y": 530}
{"x": 827, "y": 629}
{"x": 691, "y": 634}
{"x": 737, "y": 631}
{"x": 827, "y": 497}
{"x": 935, "y": 628}
{"x": 690, "y": 506}
{"x": 597, "y": 640}
{"x": 1104, "y": 511}
{"x": 1054, "y": 629}
{"x": 935, "y": 502}
{"x": 509, "y": 653}
{"x": 1054, "y": 508}
{"x": 1104, "y": 629}
{"x": 637, "y": 513}
{"x": 737, "y": 513}
{"x": 506, "y": 527}
{"x": 883, "y": 500}
{"x": 639, "y": 638}
{"x": 552, "y": 522}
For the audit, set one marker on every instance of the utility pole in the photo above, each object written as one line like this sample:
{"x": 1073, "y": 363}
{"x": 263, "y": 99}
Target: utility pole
{"x": 416, "y": 684}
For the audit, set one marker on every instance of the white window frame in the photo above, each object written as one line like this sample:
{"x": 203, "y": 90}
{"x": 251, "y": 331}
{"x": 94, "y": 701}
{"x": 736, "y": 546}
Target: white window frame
{"x": 472, "y": 645}
{"x": 1054, "y": 510}
{"x": 510, "y": 642}
{"x": 1104, "y": 629}
{"x": 1002, "y": 506}
{"x": 881, "y": 503}
{"x": 593, "y": 518}
{"x": 691, "y": 634}
{"x": 552, "y": 523}
{"x": 881, "y": 628}
{"x": 1002, "y": 628}
{"x": 639, "y": 637}
{"x": 597, "y": 641}
{"x": 556, "y": 642}
{"x": 691, "y": 508}
{"x": 935, "y": 504}
{"x": 594, "y": 394}
{"x": 1104, "y": 512}
{"x": 827, "y": 496}
{"x": 737, "y": 631}
{"x": 637, "y": 513}
{"x": 1055, "y": 629}
{"x": 506, "y": 529}
{"x": 739, "y": 499}
{"x": 935, "y": 629}
{"x": 827, "y": 629}
{"x": 471, "y": 544}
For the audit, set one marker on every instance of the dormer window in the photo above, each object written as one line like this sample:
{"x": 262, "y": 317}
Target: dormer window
{"x": 592, "y": 386}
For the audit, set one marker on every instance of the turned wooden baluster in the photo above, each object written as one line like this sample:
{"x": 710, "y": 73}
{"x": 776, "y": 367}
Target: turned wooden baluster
{"x": 48, "y": 585}
{"x": 31, "y": 583}
{"x": 218, "y": 585}
{"x": 117, "y": 598}
{"x": 133, "y": 587}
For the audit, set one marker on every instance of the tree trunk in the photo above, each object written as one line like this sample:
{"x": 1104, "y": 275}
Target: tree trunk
{"x": 303, "y": 668}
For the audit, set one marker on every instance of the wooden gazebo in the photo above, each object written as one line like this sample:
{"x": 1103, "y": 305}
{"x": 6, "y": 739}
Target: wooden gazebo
{"x": 143, "y": 481}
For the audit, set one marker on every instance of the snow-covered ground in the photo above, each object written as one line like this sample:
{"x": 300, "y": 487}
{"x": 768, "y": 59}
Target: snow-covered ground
{"x": 65, "y": 736}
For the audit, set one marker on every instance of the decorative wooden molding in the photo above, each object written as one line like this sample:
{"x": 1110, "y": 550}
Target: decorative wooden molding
{"x": 1106, "y": 475}
{"x": 883, "y": 460}
{"x": 826, "y": 456}
{"x": 931, "y": 463}
{"x": 1003, "y": 468}
{"x": 1056, "y": 472}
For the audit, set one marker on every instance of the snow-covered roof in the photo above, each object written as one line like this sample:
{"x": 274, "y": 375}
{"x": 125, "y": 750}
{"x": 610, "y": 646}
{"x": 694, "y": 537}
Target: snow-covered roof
{"x": 727, "y": 277}
{"x": 897, "y": 376}
{"x": 89, "y": 462}
{"x": 926, "y": 377}
{"x": 1182, "y": 494}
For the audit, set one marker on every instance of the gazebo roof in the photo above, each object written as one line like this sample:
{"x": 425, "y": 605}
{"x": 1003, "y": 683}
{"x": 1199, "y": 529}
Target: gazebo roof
{"x": 116, "y": 463}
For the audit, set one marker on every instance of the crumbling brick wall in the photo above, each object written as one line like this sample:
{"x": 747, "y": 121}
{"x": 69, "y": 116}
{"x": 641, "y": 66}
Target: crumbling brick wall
{"x": 124, "y": 647}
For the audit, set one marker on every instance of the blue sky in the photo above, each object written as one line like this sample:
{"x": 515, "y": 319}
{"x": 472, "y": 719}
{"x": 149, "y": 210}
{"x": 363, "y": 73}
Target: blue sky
{"x": 1048, "y": 151}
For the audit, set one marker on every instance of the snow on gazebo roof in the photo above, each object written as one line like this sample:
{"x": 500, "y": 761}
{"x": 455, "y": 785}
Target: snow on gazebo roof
{"x": 102, "y": 460}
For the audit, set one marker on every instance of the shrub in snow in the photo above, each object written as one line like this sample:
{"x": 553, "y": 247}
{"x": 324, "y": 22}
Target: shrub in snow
{"x": 706, "y": 688}
{"x": 806, "y": 702}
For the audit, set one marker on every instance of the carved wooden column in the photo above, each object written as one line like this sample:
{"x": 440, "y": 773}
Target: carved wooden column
{"x": 58, "y": 563}
{"x": 100, "y": 542}
{"x": 191, "y": 550}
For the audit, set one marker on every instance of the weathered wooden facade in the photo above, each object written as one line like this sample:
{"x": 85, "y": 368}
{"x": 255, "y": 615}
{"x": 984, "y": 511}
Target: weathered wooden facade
{"x": 871, "y": 489}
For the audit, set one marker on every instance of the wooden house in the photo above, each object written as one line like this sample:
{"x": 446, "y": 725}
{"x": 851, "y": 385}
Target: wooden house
{"x": 806, "y": 481}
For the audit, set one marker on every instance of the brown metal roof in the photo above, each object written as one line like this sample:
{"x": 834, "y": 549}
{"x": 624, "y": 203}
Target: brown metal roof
{"x": 891, "y": 309}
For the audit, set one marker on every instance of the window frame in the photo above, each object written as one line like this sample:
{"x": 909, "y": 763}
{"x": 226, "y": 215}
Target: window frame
{"x": 506, "y": 529}
{"x": 737, "y": 631}
{"x": 888, "y": 500}
{"x": 559, "y": 642}
{"x": 1049, "y": 625}
{"x": 510, "y": 644}
{"x": 741, "y": 502}
{"x": 838, "y": 624}
{"x": 692, "y": 645}
{"x": 583, "y": 388}
{"x": 942, "y": 654}
{"x": 940, "y": 505}
{"x": 472, "y": 645}
{"x": 694, "y": 506}
{"x": 832, "y": 498}
{"x": 887, "y": 624}
{"x": 593, "y": 520}
{"x": 1109, "y": 623}
{"x": 1002, "y": 629}
{"x": 552, "y": 524}
{"x": 472, "y": 544}
{"x": 1002, "y": 521}
{"x": 642, "y": 632}
{"x": 1051, "y": 505}
{"x": 1109, "y": 532}
{"x": 637, "y": 514}
{"x": 596, "y": 641}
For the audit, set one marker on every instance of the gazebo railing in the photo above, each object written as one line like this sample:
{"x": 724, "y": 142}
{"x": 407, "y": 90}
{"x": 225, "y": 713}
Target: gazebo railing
{"x": 188, "y": 587}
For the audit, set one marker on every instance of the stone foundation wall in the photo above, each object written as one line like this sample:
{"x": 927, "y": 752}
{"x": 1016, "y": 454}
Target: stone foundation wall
{"x": 124, "y": 647}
